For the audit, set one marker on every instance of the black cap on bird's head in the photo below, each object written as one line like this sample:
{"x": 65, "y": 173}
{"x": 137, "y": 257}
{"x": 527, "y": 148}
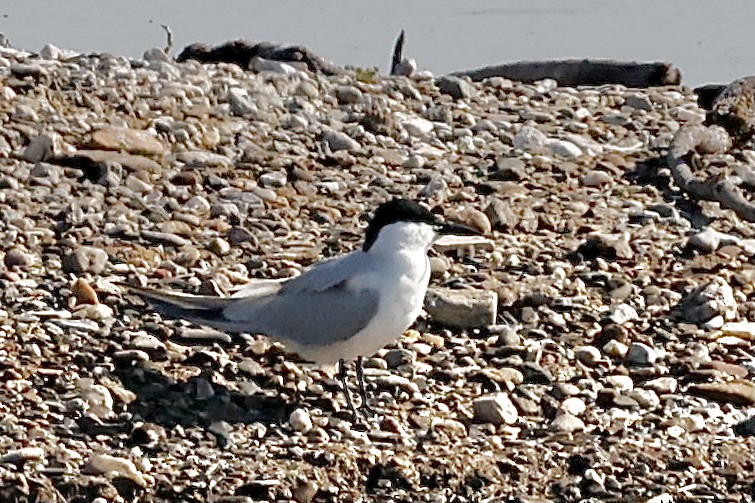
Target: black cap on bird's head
{"x": 406, "y": 210}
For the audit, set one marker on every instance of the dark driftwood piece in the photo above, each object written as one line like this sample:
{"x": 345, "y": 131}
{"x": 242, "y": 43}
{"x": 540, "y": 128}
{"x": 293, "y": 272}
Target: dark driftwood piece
{"x": 709, "y": 140}
{"x": 169, "y": 38}
{"x": 585, "y": 72}
{"x": 398, "y": 50}
{"x": 241, "y": 52}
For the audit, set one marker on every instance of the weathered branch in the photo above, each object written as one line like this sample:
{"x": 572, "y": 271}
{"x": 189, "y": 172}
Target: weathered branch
{"x": 398, "y": 50}
{"x": 169, "y": 37}
{"x": 704, "y": 139}
{"x": 584, "y": 72}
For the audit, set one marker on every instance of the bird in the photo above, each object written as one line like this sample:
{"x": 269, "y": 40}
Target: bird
{"x": 339, "y": 309}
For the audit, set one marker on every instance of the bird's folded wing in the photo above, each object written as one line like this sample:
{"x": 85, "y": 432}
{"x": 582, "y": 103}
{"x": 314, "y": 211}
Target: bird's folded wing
{"x": 305, "y": 317}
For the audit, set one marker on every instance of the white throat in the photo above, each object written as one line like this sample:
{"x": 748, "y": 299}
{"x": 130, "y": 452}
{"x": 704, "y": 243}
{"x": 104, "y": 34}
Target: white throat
{"x": 404, "y": 237}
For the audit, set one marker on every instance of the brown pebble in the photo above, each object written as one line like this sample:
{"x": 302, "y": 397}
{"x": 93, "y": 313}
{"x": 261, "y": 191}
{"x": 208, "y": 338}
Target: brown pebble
{"x": 84, "y": 292}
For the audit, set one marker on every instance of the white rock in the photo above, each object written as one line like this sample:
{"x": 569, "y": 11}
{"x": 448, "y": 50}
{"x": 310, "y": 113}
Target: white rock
{"x": 596, "y": 178}
{"x": 563, "y": 148}
{"x": 573, "y": 405}
{"x": 567, "y": 423}
{"x": 529, "y": 138}
{"x": 623, "y": 313}
{"x": 619, "y": 382}
{"x": 267, "y": 65}
{"x": 615, "y": 348}
{"x": 663, "y": 385}
{"x": 417, "y": 126}
{"x": 300, "y": 420}
{"x": 496, "y": 409}
{"x": 114, "y": 466}
{"x": 589, "y": 355}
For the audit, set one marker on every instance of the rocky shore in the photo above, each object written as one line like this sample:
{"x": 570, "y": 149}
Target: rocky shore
{"x": 618, "y": 365}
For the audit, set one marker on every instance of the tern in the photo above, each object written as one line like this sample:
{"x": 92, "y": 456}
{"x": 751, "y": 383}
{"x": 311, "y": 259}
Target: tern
{"x": 339, "y": 309}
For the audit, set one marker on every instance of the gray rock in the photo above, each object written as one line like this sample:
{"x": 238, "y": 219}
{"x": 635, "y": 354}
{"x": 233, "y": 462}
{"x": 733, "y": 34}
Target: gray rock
{"x": 706, "y": 241}
{"x": 456, "y": 87}
{"x": 39, "y": 149}
{"x": 156, "y": 54}
{"x": 240, "y": 103}
{"x": 349, "y": 95}
{"x": 397, "y": 357}
{"x": 641, "y": 354}
{"x": 462, "y": 308}
{"x": 638, "y": 102}
{"x": 745, "y": 428}
{"x": 496, "y": 409}
{"x": 18, "y": 257}
{"x": 85, "y": 259}
{"x": 338, "y": 140}
{"x": 530, "y": 139}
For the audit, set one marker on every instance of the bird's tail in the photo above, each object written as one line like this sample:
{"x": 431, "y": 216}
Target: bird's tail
{"x": 200, "y": 309}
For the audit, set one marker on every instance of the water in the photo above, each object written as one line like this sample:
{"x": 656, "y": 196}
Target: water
{"x": 709, "y": 44}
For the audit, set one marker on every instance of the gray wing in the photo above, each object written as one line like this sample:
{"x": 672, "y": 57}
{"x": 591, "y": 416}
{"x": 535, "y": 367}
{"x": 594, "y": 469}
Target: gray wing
{"x": 318, "y": 308}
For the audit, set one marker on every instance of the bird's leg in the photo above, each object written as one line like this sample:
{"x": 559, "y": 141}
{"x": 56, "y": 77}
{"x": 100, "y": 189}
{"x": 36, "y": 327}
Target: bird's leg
{"x": 365, "y": 407}
{"x": 345, "y": 385}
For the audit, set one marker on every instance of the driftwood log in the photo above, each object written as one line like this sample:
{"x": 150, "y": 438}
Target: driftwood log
{"x": 706, "y": 140}
{"x": 241, "y": 53}
{"x": 585, "y": 72}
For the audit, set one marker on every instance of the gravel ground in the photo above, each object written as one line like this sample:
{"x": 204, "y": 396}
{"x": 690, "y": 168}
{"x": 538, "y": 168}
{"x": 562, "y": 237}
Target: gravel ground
{"x": 618, "y": 366}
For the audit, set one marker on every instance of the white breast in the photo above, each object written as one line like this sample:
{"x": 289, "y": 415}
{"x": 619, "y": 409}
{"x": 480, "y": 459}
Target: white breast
{"x": 401, "y": 273}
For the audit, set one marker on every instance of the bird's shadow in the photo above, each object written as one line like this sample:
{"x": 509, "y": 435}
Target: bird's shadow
{"x": 197, "y": 401}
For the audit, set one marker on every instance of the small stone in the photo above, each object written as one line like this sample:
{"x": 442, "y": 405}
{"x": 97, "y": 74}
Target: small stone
{"x": 496, "y": 409}
{"x": 567, "y": 423}
{"x": 397, "y": 357}
{"x": 274, "y": 179}
{"x": 83, "y": 292}
{"x": 744, "y": 428}
{"x": 115, "y": 466}
{"x": 706, "y": 241}
{"x": 300, "y": 421}
{"x": 638, "y": 102}
{"x": 219, "y": 246}
{"x": 573, "y": 405}
{"x": 130, "y": 140}
{"x": 620, "y": 382}
{"x": 338, "y": 140}
{"x": 641, "y": 354}
{"x": 589, "y": 355}
{"x": 305, "y": 491}
{"x": 18, "y": 257}
{"x": 348, "y": 95}
{"x": 456, "y": 87}
{"x": 623, "y": 313}
{"x": 616, "y": 349}
{"x": 462, "y": 308}
{"x": 596, "y": 178}
{"x": 529, "y": 139}
{"x": 662, "y": 385}
{"x": 39, "y": 149}
{"x": 85, "y": 259}
{"x": 94, "y": 312}
{"x": 563, "y": 148}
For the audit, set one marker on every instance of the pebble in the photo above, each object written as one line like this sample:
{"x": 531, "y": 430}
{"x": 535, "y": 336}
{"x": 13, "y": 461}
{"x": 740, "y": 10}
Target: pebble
{"x": 85, "y": 259}
{"x": 84, "y": 293}
{"x": 496, "y": 409}
{"x": 589, "y": 355}
{"x": 456, "y": 87}
{"x": 300, "y": 421}
{"x": 462, "y": 308}
{"x": 338, "y": 140}
{"x": 641, "y": 354}
{"x": 116, "y": 466}
{"x": 567, "y": 423}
